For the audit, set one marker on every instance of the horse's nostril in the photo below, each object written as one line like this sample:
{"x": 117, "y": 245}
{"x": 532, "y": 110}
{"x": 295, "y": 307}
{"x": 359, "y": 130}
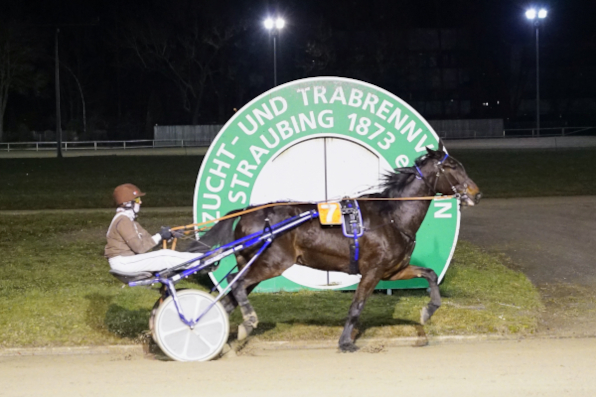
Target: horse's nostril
{"x": 477, "y": 197}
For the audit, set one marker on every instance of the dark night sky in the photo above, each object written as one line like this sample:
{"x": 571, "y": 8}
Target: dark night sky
{"x": 125, "y": 97}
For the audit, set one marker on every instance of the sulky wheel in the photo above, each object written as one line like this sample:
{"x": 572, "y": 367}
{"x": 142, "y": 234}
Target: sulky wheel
{"x": 164, "y": 294}
{"x": 181, "y": 343}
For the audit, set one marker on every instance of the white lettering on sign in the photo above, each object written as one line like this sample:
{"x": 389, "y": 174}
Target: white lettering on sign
{"x": 384, "y": 108}
{"x": 257, "y": 152}
{"x": 234, "y": 197}
{"x": 355, "y": 98}
{"x": 284, "y": 131}
{"x": 252, "y": 122}
{"x": 320, "y": 94}
{"x": 222, "y": 150}
{"x": 395, "y": 116}
{"x": 402, "y": 161}
{"x": 361, "y": 127}
{"x": 277, "y": 101}
{"x": 279, "y": 106}
{"x": 275, "y": 142}
{"x": 370, "y": 102}
{"x": 213, "y": 189}
{"x": 442, "y": 208}
{"x": 338, "y": 95}
{"x": 421, "y": 147}
{"x": 245, "y": 168}
{"x": 220, "y": 165}
{"x": 410, "y": 130}
{"x": 208, "y": 217}
{"x": 265, "y": 113}
{"x": 312, "y": 123}
{"x": 238, "y": 181}
{"x": 326, "y": 122}
{"x": 216, "y": 201}
{"x": 304, "y": 96}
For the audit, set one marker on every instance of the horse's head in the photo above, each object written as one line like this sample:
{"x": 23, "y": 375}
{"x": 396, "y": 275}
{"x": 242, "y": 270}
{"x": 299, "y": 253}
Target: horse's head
{"x": 448, "y": 176}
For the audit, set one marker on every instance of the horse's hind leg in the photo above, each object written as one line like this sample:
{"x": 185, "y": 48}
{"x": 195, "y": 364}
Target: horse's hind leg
{"x": 433, "y": 282}
{"x": 239, "y": 297}
{"x": 277, "y": 258}
{"x": 229, "y": 303}
{"x": 365, "y": 288}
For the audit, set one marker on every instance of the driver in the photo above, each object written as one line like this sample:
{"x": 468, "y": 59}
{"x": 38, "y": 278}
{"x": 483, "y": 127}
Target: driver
{"x": 128, "y": 243}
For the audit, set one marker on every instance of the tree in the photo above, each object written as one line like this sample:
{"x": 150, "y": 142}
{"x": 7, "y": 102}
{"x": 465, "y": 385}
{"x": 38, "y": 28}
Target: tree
{"x": 182, "y": 43}
{"x": 319, "y": 55}
{"x": 17, "y": 65}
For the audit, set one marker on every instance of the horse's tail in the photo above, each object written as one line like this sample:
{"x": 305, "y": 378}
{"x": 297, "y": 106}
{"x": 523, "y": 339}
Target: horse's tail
{"x": 221, "y": 233}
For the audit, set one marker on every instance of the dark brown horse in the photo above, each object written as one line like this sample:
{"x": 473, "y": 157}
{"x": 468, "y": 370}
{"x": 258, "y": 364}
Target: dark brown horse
{"x": 385, "y": 247}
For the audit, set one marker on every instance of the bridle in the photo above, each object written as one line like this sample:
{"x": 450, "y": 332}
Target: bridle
{"x": 440, "y": 172}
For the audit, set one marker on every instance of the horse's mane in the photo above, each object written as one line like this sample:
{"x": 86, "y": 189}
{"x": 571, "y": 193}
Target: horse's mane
{"x": 394, "y": 182}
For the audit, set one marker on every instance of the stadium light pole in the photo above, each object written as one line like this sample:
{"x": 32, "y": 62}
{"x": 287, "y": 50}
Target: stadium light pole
{"x": 274, "y": 26}
{"x": 57, "y": 84}
{"x": 536, "y": 16}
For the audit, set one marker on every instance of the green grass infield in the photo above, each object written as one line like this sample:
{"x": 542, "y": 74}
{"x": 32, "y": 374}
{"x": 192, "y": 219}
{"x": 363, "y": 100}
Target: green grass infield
{"x": 55, "y": 290}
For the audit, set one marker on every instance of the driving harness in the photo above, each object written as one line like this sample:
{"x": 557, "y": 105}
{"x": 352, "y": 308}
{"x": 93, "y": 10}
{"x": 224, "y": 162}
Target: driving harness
{"x": 352, "y": 228}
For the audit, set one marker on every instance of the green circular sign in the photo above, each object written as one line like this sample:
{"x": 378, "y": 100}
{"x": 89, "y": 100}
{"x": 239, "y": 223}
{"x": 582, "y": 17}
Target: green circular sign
{"x": 320, "y": 139}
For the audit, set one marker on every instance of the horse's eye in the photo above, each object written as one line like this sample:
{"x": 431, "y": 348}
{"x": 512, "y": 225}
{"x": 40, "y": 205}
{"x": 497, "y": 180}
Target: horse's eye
{"x": 450, "y": 164}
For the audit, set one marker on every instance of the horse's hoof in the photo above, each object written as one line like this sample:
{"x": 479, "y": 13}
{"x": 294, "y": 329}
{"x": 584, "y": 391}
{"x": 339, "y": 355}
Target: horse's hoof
{"x": 424, "y": 315}
{"x": 253, "y": 320}
{"x": 244, "y": 331}
{"x": 348, "y": 348}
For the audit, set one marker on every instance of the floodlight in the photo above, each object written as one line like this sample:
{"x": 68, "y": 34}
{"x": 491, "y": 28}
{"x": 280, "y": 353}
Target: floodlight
{"x": 531, "y": 13}
{"x": 280, "y": 23}
{"x": 268, "y": 23}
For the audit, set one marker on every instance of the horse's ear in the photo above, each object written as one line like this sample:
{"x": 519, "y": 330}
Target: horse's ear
{"x": 441, "y": 146}
{"x": 431, "y": 152}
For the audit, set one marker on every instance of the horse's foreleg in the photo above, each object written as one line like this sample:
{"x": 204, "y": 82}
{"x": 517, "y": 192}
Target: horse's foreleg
{"x": 365, "y": 288}
{"x": 435, "y": 296}
{"x": 433, "y": 282}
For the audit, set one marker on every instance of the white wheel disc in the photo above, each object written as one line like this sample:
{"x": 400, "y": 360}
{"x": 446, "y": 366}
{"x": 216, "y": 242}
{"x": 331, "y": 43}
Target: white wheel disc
{"x": 181, "y": 343}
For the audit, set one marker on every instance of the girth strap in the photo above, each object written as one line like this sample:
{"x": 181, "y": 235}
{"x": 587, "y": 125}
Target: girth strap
{"x": 352, "y": 228}
{"x": 354, "y": 256}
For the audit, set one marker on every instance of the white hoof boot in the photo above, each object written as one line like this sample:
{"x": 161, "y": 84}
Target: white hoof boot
{"x": 424, "y": 315}
{"x": 242, "y": 332}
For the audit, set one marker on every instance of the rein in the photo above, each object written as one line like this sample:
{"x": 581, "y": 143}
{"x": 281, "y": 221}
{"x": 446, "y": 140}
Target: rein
{"x": 240, "y": 213}
{"x": 196, "y": 227}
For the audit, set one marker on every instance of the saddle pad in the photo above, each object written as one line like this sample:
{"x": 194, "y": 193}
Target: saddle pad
{"x": 330, "y": 213}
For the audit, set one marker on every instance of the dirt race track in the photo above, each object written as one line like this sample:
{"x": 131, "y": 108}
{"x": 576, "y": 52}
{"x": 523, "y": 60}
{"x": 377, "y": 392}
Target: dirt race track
{"x": 537, "y": 367}
{"x": 551, "y": 240}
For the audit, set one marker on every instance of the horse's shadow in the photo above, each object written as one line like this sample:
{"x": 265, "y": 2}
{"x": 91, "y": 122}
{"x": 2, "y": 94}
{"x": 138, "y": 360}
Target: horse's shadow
{"x": 106, "y": 316}
{"x": 380, "y": 315}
